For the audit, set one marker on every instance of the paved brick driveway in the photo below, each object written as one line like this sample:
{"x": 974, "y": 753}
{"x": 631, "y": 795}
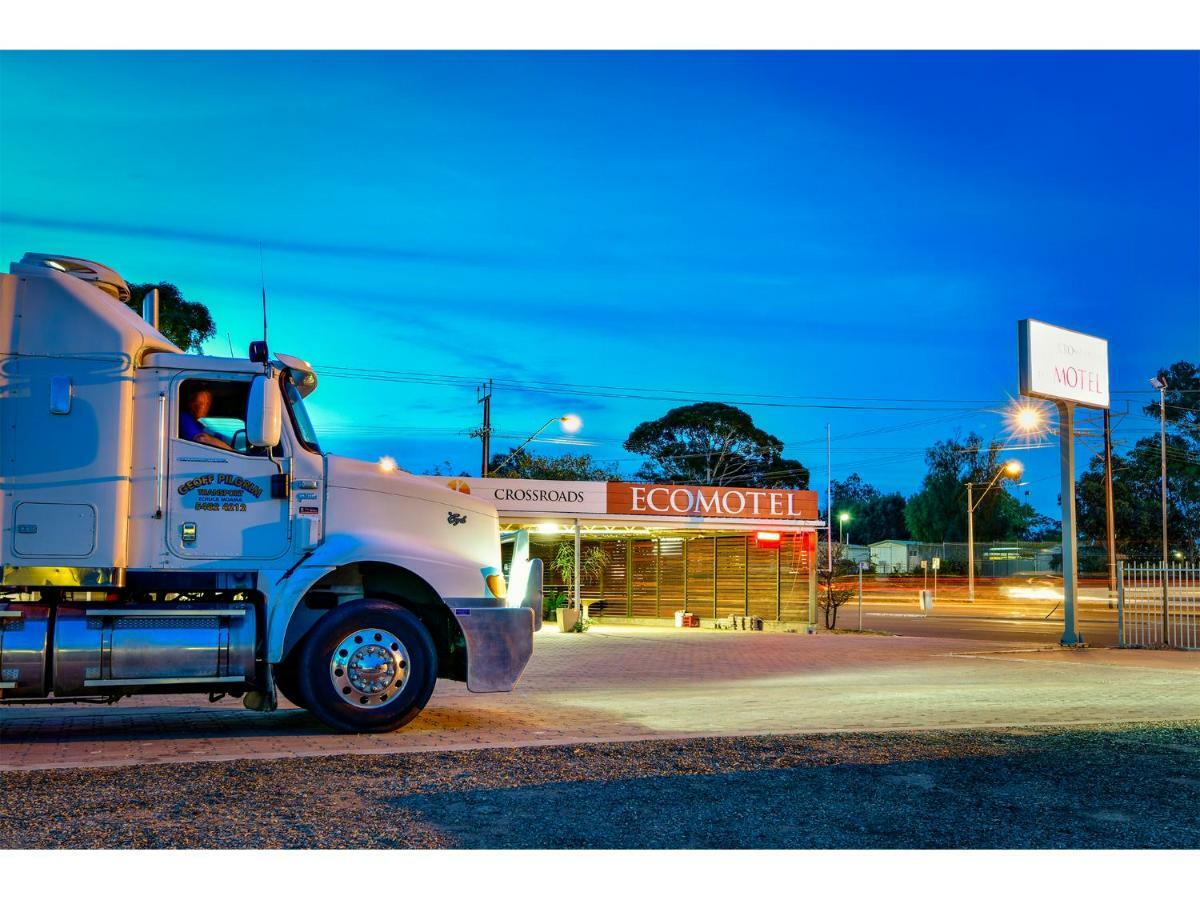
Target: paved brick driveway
{"x": 623, "y": 683}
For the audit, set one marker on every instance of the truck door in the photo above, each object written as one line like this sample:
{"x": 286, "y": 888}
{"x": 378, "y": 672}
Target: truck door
{"x": 219, "y": 498}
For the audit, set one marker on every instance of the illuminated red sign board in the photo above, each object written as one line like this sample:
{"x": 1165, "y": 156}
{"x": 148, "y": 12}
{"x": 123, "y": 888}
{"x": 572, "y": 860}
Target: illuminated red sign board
{"x": 709, "y": 502}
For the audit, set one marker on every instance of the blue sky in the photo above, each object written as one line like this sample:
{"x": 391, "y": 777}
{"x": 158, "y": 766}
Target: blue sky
{"x": 803, "y": 225}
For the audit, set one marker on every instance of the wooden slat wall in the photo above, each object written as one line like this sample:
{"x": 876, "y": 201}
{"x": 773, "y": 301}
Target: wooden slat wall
{"x": 590, "y": 590}
{"x": 615, "y": 583}
{"x": 731, "y": 576}
{"x": 793, "y": 578}
{"x": 700, "y": 576}
{"x": 762, "y": 580}
{"x": 645, "y": 578}
{"x": 660, "y": 579}
{"x": 670, "y": 567}
{"x": 551, "y": 580}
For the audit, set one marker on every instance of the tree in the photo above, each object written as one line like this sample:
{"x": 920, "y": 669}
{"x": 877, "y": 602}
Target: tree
{"x": 1137, "y": 503}
{"x": 938, "y": 512}
{"x": 874, "y": 516}
{"x": 1041, "y": 528}
{"x": 592, "y": 561}
{"x": 185, "y": 323}
{"x": 1182, "y": 403}
{"x": 713, "y": 443}
{"x": 831, "y": 597}
{"x": 446, "y": 469}
{"x": 566, "y": 467}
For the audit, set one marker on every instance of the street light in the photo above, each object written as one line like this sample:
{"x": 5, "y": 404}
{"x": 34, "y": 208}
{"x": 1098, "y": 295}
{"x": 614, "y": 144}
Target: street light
{"x": 1028, "y": 418}
{"x": 843, "y": 518}
{"x": 1013, "y": 469}
{"x": 570, "y": 423}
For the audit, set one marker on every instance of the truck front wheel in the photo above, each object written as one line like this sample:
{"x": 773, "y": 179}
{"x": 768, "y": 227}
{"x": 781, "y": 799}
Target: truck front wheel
{"x": 368, "y": 666}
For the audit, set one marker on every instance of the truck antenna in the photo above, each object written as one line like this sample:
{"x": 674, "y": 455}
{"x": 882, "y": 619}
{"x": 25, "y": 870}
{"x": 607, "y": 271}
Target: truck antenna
{"x": 263, "y": 280}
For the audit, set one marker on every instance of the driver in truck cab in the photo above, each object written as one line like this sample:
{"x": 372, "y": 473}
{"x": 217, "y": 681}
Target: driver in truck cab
{"x": 197, "y": 406}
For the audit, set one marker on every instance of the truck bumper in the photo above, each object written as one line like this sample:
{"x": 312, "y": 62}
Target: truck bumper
{"x": 499, "y": 645}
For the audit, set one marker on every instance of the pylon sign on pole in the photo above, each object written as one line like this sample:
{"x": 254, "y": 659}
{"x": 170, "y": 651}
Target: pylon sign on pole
{"x": 1071, "y": 369}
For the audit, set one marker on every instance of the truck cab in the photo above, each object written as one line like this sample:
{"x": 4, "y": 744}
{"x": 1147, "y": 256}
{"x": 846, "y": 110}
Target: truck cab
{"x": 172, "y": 523}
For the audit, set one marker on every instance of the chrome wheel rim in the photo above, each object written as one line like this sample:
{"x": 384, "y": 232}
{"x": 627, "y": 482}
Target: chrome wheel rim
{"x": 369, "y": 668}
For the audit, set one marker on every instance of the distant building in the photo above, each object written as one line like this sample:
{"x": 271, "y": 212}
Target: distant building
{"x": 893, "y": 557}
{"x": 856, "y": 553}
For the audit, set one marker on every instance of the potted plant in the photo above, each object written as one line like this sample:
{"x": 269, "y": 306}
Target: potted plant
{"x": 591, "y": 564}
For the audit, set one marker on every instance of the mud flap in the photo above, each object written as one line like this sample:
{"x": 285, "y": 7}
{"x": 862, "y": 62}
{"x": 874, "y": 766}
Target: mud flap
{"x": 499, "y": 645}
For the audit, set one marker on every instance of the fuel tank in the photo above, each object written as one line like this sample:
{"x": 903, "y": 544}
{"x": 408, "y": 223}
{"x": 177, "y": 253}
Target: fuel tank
{"x": 116, "y": 648}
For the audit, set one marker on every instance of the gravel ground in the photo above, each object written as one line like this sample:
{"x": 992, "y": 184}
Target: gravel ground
{"x": 1118, "y": 786}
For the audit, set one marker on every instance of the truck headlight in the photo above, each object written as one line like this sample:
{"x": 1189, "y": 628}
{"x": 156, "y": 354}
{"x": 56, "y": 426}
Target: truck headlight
{"x": 494, "y": 580}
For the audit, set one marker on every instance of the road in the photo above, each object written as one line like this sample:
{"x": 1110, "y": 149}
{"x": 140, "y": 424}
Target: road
{"x": 1038, "y": 621}
{"x": 630, "y": 683}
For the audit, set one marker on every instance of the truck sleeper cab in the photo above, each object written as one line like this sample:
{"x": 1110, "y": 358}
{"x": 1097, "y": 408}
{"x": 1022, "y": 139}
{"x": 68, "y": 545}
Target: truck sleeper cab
{"x": 171, "y": 524}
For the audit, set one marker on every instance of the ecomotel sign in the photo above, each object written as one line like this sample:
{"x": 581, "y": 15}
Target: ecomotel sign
{"x": 1060, "y": 364}
{"x": 710, "y": 502}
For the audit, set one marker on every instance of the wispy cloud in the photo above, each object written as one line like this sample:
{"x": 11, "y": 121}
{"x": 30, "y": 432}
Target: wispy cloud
{"x": 367, "y": 252}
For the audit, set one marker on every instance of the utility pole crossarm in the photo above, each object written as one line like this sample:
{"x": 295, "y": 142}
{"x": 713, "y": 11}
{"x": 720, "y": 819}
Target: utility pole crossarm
{"x": 483, "y": 394}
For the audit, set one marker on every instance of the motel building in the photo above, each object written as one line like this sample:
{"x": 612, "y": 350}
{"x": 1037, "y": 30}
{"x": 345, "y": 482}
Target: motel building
{"x": 712, "y": 551}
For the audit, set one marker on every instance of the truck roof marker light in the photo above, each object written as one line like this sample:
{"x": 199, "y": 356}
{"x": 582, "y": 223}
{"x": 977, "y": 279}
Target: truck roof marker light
{"x": 387, "y": 464}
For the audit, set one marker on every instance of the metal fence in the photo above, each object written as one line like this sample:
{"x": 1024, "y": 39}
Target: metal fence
{"x": 1157, "y": 606}
{"x": 993, "y": 559}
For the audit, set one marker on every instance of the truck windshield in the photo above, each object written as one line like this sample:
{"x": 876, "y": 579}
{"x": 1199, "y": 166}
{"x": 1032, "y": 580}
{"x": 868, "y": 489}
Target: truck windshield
{"x": 300, "y": 420}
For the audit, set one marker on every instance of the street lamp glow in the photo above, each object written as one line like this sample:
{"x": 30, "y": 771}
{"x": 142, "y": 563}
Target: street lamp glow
{"x": 843, "y": 518}
{"x": 1013, "y": 469}
{"x": 1027, "y": 418}
{"x": 569, "y": 423}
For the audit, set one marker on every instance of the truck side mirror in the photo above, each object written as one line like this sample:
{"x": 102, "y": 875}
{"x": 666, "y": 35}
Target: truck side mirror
{"x": 264, "y": 412}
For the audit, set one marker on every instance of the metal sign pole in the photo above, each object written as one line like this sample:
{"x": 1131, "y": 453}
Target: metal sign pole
{"x": 860, "y": 571}
{"x": 1066, "y": 456}
{"x": 1162, "y": 438}
{"x": 970, "y": 542}
{"x": 578, "y": 601}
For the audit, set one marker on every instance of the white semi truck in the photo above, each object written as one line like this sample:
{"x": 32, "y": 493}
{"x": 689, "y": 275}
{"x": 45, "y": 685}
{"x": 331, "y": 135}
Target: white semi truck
{"x": 171, "y": 524}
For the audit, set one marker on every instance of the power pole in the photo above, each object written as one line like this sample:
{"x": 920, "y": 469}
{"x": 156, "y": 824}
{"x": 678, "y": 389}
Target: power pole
{"x": 483, "y": 394}
{"x": 829, "y": 498}
{"x": 1110, "y": 524}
